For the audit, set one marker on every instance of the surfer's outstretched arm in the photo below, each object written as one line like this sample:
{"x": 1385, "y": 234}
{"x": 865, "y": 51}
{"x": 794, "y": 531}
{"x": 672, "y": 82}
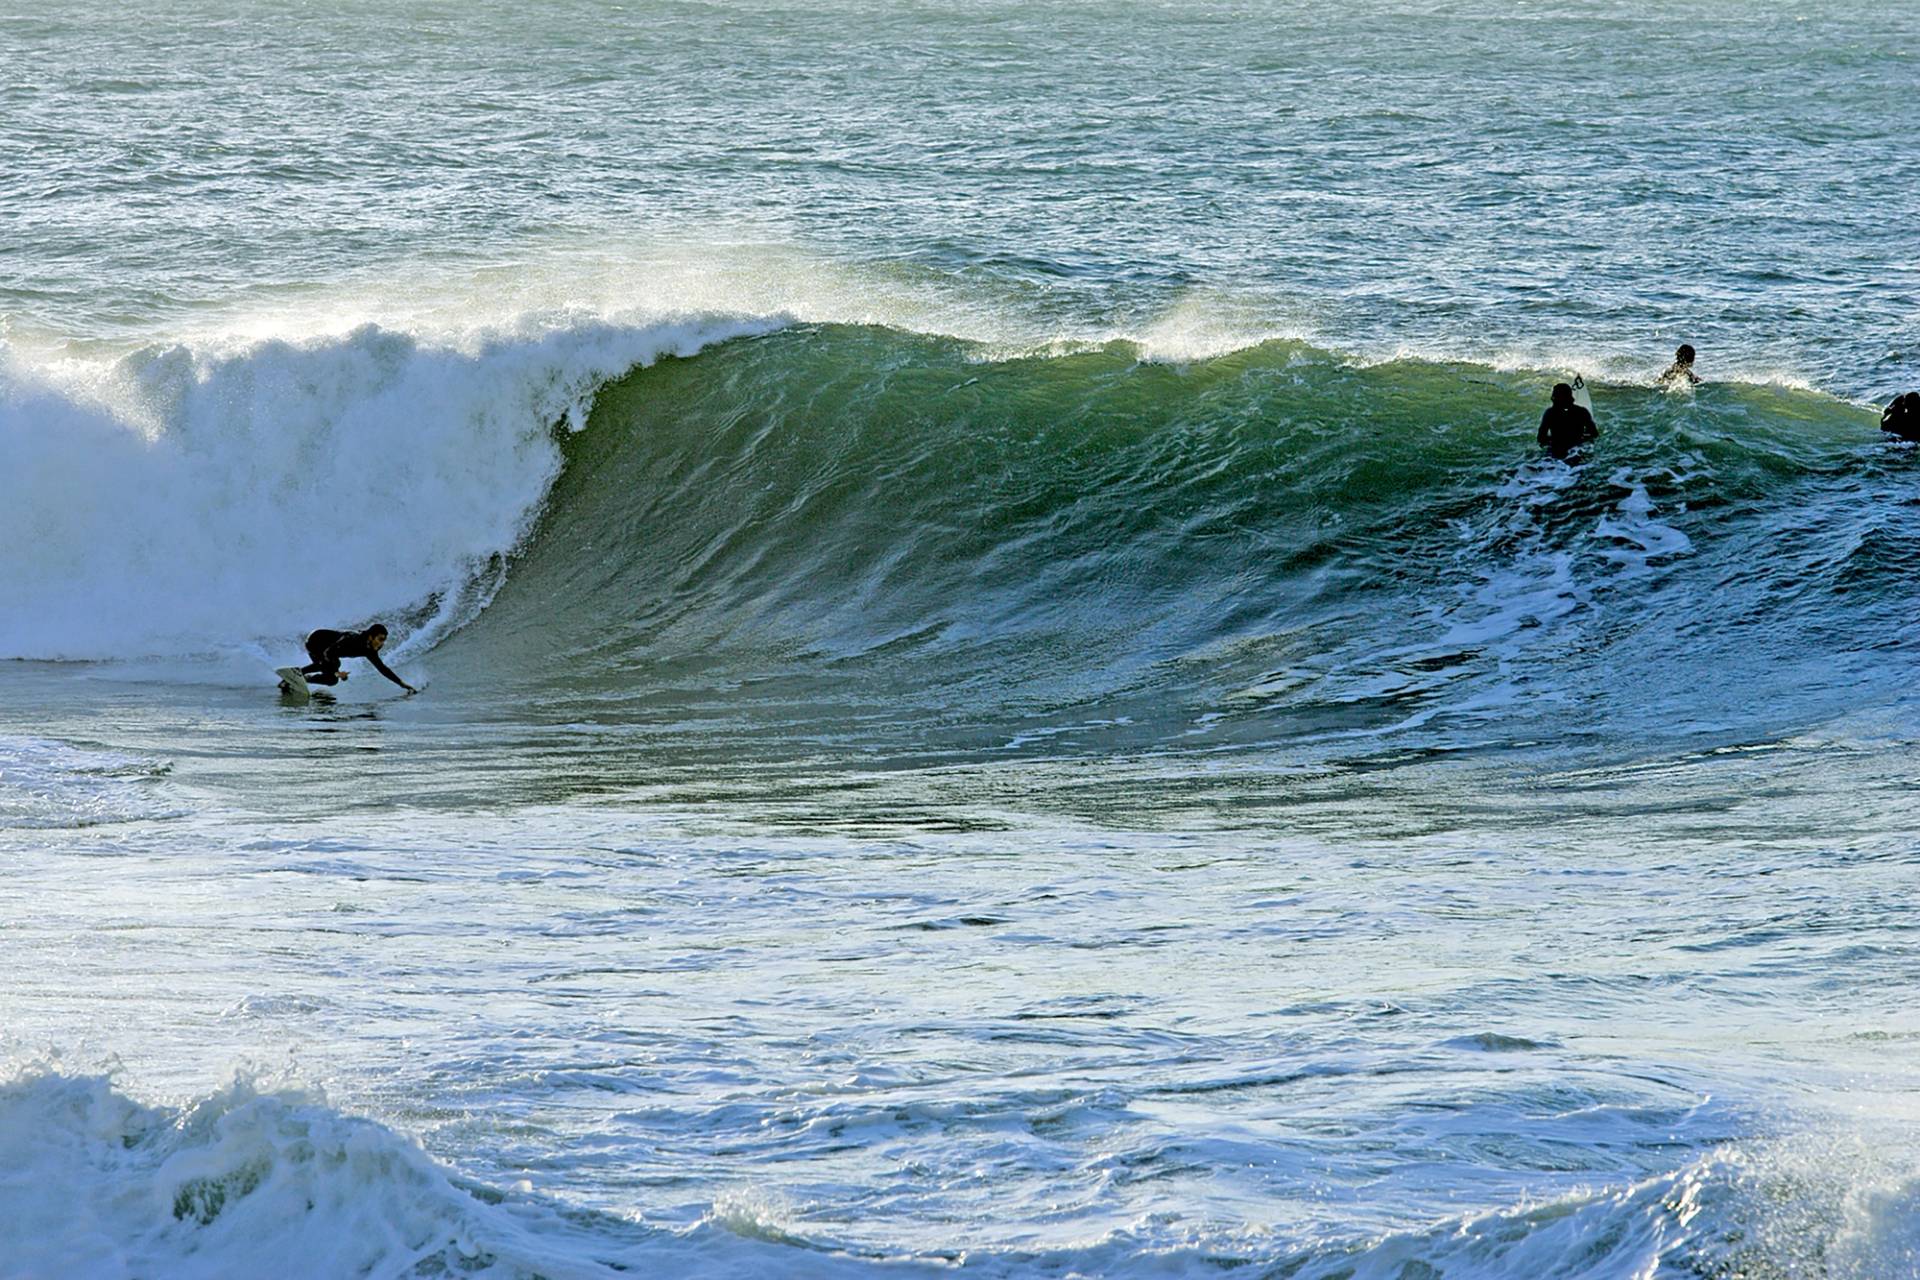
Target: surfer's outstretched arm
{"x": 381, "y": 667}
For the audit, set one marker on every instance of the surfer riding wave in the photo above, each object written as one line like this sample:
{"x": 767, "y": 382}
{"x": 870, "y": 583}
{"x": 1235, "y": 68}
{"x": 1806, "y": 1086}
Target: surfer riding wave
{"x": 326, "y": 648}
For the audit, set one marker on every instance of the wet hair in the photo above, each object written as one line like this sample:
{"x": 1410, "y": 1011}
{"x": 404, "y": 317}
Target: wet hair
{"x": 1684, "y": 355}
{"x": 1562, "y": 393}
{"x": 377, "y": 629}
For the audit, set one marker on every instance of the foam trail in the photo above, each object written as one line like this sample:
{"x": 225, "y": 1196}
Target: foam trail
{"x": 46, "y": 784}
{"x": 186, "y": 499}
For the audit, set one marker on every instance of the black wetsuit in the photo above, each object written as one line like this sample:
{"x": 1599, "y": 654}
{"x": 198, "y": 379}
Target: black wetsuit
{"x": 326, "y": 648}
{"x": 1901, "y": 418}
{"x": 1564, "y": 428}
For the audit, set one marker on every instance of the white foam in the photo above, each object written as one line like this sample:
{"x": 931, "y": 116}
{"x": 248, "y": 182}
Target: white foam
{"x": 46, "y": 785}
{"x": 1205, "y": 323}
{"x": 244, "y": 1182}
{"x": 1602, "y": 369}
{"x": 195, "y": 497}
{"x": 254, "y": 1180}
{"x": 1795, "y": 1207}
{"x": 1539, "y": 481}
{"x": 1633, "y": 538}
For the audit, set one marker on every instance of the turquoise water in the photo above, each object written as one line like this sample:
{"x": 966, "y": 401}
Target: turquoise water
{"x": 1005, "y": 688}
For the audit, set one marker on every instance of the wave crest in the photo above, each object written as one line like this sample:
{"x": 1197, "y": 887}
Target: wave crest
{"x": 186, "y": 499}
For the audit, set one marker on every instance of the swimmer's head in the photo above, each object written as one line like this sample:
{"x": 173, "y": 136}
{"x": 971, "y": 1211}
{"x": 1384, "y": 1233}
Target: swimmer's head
{"x": 1562, "y": 393}
{"x": 1684, "y": 355}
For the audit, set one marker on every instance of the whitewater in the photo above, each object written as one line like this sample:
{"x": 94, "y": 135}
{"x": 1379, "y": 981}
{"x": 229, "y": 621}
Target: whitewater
{"x": 1005, "y": 689}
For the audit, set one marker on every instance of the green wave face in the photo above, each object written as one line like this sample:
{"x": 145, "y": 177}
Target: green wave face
{"x": 894, "y": 543}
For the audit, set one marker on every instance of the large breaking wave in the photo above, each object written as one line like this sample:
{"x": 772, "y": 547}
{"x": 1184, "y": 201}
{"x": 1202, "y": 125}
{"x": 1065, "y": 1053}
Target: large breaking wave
{"x": 1274, "y": 538}
{"x": 185, "y": 498}
{"x": 1277, "y": 540}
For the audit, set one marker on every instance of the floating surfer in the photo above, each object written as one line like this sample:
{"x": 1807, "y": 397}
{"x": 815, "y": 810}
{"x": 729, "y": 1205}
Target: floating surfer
{"x": 1901, "y": 417}
{"x": 1680, "y": 373}
{"x": 326, "y": 648}
{"x": 1567, "y": 424}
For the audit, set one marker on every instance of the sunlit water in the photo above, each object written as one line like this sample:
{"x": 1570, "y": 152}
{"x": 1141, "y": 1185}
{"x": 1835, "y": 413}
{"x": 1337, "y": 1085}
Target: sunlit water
{"x": 1004, "y": 689}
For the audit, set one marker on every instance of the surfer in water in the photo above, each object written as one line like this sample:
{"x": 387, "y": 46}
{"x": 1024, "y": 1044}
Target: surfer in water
{"x": 1565, "y": 426}
{"x": 1680, "y": 373}
{"x": 1901, "y": 417}
{"x": 326, "y": 648}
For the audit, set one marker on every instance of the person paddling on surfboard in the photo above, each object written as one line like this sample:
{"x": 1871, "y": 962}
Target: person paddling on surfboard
{"x": 1565, "y": 426}
{"x": 327, "y": 648}
{"x": 1680, "y": 373}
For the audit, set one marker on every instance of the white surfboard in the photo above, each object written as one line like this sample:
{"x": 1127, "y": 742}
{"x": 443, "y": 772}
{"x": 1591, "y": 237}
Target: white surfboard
{"x": 1580, "y": 394}
{"x": 292, "y": 683}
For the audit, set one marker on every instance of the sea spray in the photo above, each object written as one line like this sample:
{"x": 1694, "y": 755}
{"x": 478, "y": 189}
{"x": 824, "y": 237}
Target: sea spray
{"x": 188, "y": 500}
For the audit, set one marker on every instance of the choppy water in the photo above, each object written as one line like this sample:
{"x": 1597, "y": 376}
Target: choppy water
{"x": 1005, "y": 690}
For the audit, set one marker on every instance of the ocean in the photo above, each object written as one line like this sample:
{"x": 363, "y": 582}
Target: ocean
{"x": 1005, "y": 690}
